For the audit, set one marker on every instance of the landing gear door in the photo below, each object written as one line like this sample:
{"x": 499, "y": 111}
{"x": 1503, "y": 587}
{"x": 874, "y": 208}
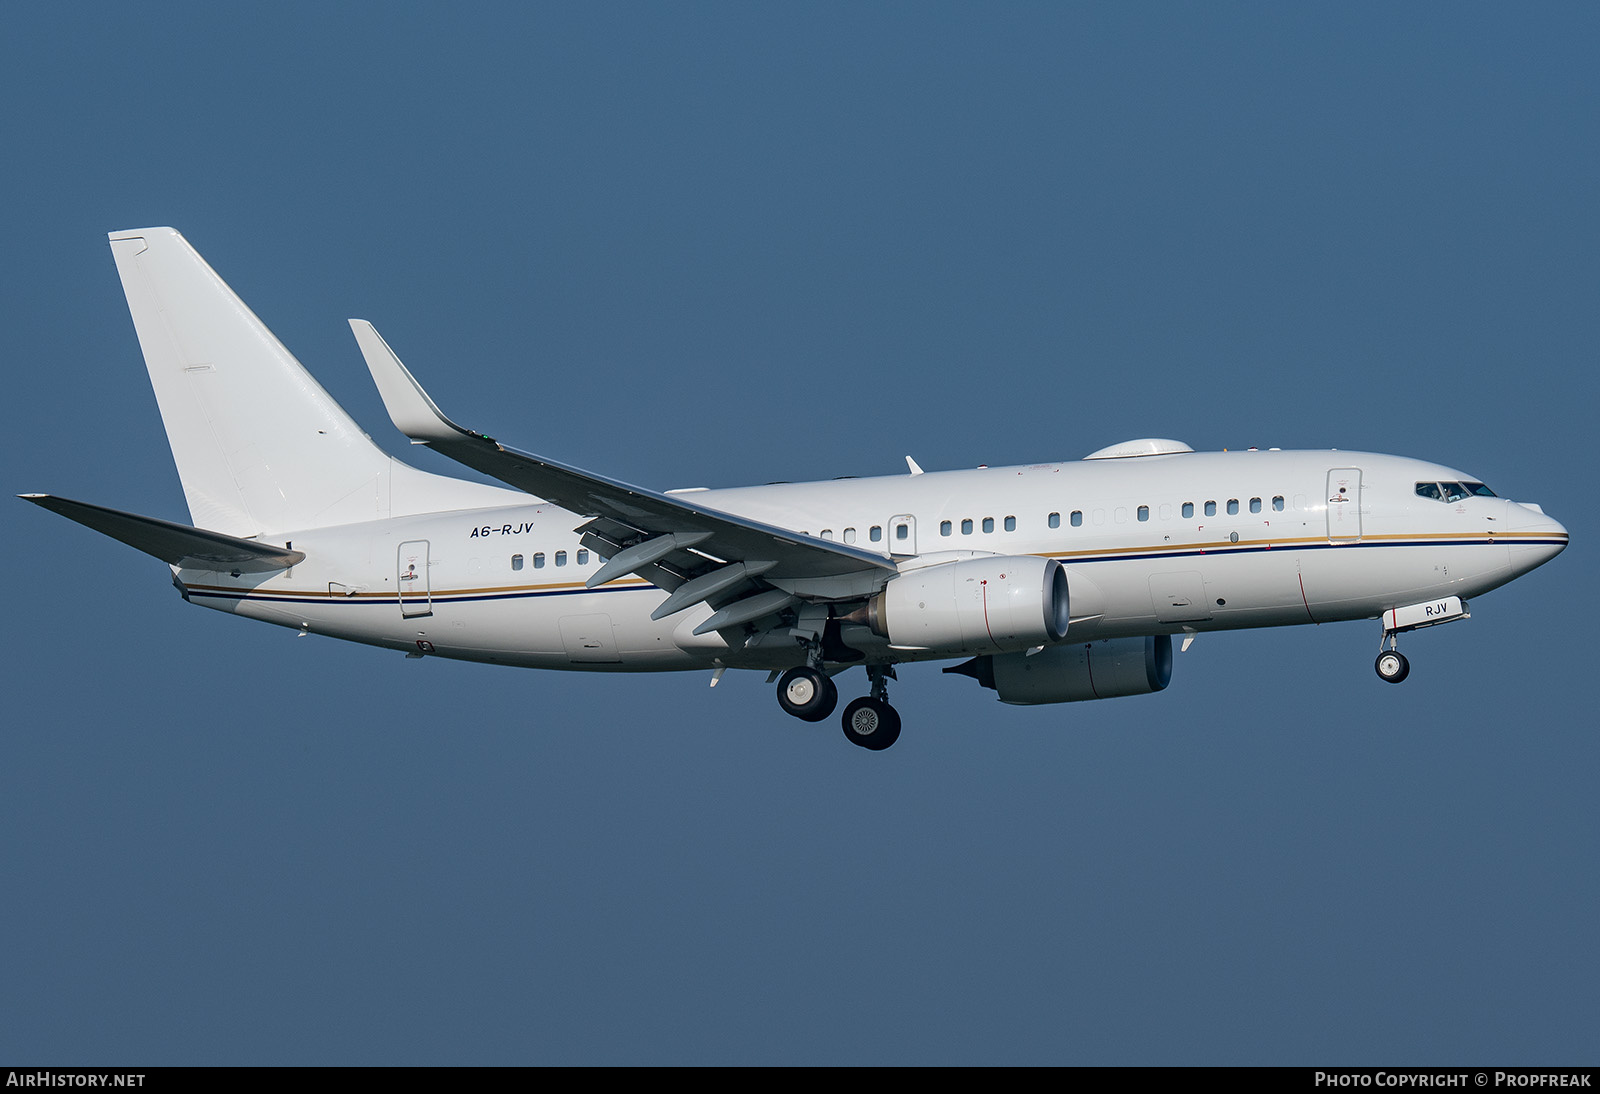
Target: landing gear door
{"x": 902, "y": 535}
{"x": 1344, "y": 505}
{"x": 416, "y": 598}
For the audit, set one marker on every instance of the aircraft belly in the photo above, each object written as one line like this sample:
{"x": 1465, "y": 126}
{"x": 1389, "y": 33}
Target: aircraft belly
{"x": 594, "y": 631}
{"x": 1210, "y": 592}
{"x": 607, "y": 631}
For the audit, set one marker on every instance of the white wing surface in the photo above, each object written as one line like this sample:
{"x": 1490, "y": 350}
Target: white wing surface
{"x": 665, "y": 538}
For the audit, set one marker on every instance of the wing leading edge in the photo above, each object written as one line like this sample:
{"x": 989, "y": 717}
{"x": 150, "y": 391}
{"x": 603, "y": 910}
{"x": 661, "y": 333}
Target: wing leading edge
{"x": 663, "y": 538}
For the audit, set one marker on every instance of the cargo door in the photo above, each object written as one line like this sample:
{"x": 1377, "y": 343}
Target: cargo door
{"x": 1179, "y": 597}
{"x": 589, "y": 639}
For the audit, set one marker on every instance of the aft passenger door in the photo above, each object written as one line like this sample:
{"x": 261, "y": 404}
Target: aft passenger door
{"x": 416, "y": 598}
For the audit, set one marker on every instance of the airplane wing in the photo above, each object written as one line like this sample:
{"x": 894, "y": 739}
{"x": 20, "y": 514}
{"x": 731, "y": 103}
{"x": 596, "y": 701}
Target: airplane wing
{"x": 637, "y": 530}
{"x": 175, "y": 544}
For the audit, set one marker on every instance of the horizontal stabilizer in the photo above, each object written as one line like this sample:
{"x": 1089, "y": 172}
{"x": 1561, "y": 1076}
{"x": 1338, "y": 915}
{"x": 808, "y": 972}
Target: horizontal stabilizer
{"x": 175, "y": 544}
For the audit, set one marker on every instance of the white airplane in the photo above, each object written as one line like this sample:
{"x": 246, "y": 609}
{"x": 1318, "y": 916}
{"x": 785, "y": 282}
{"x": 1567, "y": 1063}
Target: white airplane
{"x": 1057, "y": 582}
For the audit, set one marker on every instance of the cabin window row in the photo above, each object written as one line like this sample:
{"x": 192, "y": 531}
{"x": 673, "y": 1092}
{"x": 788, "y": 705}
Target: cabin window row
{"x": 987, "y": 524}
{"x": 1075, "y": 518}
{"x": 1210, "y": 507}
{"x": 582, "y": 559}
{"x": 874, "y": 534}
{"x": 947, "y": 528}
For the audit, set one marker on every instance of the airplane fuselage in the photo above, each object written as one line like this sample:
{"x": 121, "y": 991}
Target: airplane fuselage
{"x": 1152, "y": 545}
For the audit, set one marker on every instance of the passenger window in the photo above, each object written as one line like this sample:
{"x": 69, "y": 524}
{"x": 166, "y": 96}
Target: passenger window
{"x": 1077, "y": 518}
{"x": 516, "y": 562}
{"x": 875, "y": 533}
{"x": 1055, "y": 520}
{"x": 1011, "y": 524}
{"x": 849, "y": 535}
{"x": 966, "y": 527}
{"x": 945, "y": 528}
{"x": 1233, "y": 506}
{"x": 827, "y": 533}
{"x": 561, "y": 558}
{"x": 1144, "y": 512}
{"x": 1211, "y": 508}
{"x": 1255, "y": 505}
{"x": 1277, "y": 503}
{"x": 1188, "y": 510}
{"x": 988, "y": 525}
{"x": 538, "y": 560}
{"x": 583, "y": 557}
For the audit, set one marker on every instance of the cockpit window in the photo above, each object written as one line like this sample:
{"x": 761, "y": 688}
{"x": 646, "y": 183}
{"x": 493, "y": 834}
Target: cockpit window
{"x": 1453, "y": 491}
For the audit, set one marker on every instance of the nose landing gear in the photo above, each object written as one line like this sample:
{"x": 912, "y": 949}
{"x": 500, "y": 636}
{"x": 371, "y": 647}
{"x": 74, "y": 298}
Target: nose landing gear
{"x": 1392, "y": 666}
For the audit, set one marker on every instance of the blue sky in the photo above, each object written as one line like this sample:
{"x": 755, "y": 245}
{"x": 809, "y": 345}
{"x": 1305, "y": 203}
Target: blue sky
{"x": 708, "y": 244}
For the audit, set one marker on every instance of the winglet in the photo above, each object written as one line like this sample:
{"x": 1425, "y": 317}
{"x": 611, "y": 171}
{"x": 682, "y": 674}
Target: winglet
{"x": 911, "y": 463}
{"x": 409, "y": 406}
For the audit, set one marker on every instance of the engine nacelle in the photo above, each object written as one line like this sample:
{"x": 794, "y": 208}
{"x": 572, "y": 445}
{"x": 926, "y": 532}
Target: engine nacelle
{"x": 977, "y": 605}
{"x": 1105, "y": 669}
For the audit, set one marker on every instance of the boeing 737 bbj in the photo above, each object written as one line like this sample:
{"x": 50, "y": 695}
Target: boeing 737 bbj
{"x": 1054, "y": 582}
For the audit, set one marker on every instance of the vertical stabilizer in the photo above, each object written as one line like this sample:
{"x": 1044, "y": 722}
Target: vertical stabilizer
{"x": 259, "y": 445}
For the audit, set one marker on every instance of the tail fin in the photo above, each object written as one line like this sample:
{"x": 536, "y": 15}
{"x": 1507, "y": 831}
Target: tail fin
{"x": 260, "y": 446}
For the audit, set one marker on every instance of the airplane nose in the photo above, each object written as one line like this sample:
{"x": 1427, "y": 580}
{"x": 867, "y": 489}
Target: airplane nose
{"x": 1533, "y": 536}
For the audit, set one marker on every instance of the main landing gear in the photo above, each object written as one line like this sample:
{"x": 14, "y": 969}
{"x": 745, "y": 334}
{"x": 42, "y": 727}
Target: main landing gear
{"x": 870, "y": 722}
{"x": 807, "y": 694}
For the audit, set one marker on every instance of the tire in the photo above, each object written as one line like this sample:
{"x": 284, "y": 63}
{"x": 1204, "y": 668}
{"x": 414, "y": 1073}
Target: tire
{"x": 871, "y": 723}
{"x": 1392, "y": 666}
{"x": 807, "y": 694}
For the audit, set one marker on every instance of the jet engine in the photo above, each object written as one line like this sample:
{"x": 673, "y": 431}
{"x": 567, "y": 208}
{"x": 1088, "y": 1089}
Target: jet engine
{"x": 1105, "y": 669}
{"x": 977, "y": 605}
